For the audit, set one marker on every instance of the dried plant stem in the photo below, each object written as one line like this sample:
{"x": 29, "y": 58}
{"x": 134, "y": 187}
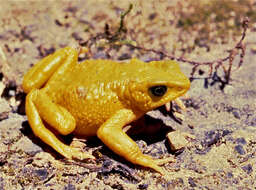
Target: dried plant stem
{"x": 213, "y": 65}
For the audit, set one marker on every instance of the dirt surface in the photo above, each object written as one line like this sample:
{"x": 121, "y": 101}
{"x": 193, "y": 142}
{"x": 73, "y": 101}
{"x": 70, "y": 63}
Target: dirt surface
{"x": 220, "y": 150}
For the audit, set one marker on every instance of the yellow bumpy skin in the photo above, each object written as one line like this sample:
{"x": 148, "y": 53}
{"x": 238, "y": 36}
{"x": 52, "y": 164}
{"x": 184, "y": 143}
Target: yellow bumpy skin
{"x": 97, "y": 97}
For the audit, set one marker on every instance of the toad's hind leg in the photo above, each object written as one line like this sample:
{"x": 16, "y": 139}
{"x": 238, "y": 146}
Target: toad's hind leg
{"x": 50, "y": 66}
{"x": 39, "y": 105}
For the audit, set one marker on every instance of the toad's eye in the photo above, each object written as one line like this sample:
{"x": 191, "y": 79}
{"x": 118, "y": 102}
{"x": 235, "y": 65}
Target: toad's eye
{"x": 158, "y": 90}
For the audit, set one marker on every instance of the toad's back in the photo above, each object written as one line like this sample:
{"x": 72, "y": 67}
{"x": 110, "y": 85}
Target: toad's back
{"x": 92, "y": 72}
{"x": 87, "y": 91}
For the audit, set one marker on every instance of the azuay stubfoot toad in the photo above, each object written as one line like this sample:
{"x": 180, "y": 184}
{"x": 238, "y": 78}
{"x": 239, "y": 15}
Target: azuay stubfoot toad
{"x": 97, "y": 97}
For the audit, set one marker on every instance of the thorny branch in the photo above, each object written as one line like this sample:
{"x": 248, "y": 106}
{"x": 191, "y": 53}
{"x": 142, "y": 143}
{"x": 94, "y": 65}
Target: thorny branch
{"x": 214, "y": 65}
{"x": 219, "y": 62}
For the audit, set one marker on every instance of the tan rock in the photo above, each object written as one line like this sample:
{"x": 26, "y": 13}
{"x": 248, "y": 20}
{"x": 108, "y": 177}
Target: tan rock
{"x": 177, "y": 140}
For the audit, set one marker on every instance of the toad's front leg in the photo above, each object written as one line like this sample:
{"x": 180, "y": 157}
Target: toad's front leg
{"x": 117, "y": 140}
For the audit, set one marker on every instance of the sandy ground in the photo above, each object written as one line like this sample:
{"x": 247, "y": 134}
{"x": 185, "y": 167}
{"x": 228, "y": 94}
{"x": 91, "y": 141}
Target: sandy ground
{"x": 220, "y": 153}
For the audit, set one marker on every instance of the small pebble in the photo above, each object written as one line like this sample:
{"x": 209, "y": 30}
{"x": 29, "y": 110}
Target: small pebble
{"x": 69, "y": 187}
{"x": 177, "y": 140}
{"x": 240, "y": 141}
{"x": 228, "y": 89}
{"x": 143, "y": 186}
{"x": 248, "y": 168}
{"x": 191, "y": 182}
{"x": 253, "y": 49}
{"x": 240, "y": 149}
{"x": 41, "y": 173}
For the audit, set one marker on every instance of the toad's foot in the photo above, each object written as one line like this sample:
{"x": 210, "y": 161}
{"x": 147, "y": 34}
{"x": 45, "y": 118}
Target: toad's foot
{"x": 179, "y": 102}
{"x": 155, "y": 164}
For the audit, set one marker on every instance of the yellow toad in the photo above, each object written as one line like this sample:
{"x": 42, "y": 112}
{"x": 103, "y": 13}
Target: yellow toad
{"x": 97, "y": 97}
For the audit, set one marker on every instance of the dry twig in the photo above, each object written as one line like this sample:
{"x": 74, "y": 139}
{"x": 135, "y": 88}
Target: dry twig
{"x": 214, "y": 65}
